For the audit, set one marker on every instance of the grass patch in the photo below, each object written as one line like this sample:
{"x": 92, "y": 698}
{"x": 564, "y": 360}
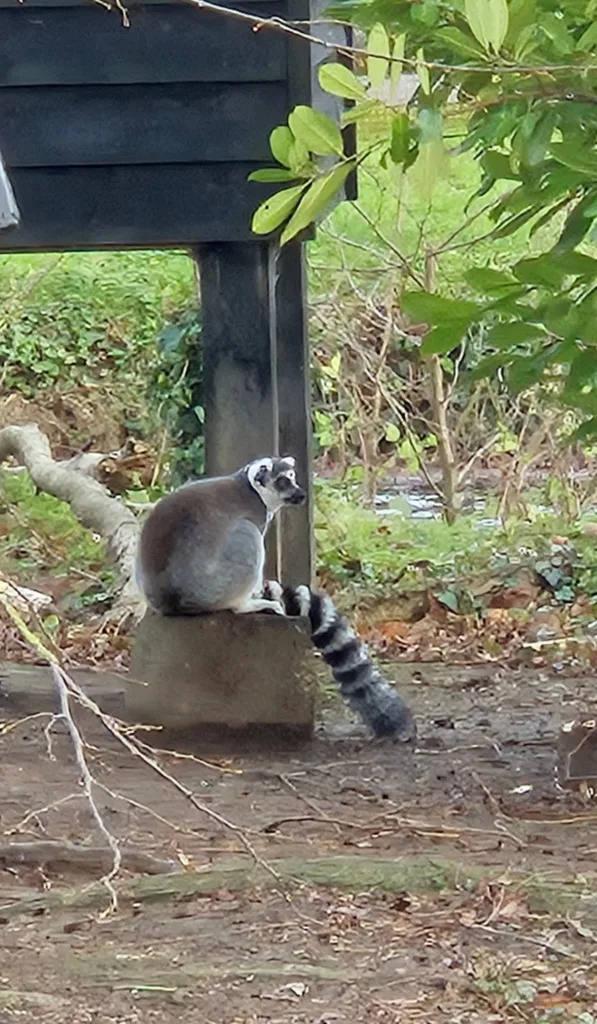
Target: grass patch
{"x": 351, "y": 873}
{"x": 41, "y": 538}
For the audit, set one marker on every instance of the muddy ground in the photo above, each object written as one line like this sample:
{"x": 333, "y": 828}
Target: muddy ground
{"x": 452, "y": 883}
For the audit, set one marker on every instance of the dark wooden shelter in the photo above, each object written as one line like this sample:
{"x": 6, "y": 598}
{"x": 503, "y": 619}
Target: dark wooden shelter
{"x": 142, "y": 137}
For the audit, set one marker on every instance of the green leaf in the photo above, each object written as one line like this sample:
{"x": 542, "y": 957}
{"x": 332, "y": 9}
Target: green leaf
{"x": 591, "y": 209}
{"x": 524, "y": 371}
{"x": 449, "y": 599}
{"x": 425, "y": 12}
{"x": 577, "y": 264}
{"x": 363, "y": 109}
{"x": 423, "y": 72}
{"x": 555, "y": 29}
{"x": 280, "y": 143}
{"x": 300, "y": 161}
{"x": 575, "y": 156}
{"x": 588, "y": 40}
{"x": 443, "y": 339}
{"x": 576, "y": 226}
{"x": 392, "y": 433}
{"x": 274, "y": 211}
{"x": 512, "y": 224}
{"x": 534, "y": 148}
{"x": 400, "y": 138}
{"x": 488, "y": 366}
{"x": 316, "y": 131}
{"x": 316, "y": 199}
{"x": 510, "y": 335}
{"x": 587, "y": 430}
{"x": 541, "y": 270}
{"x": 525, "y": 43}
{"x": 430, "y": 124}
{"x": 378, "y": 50}
{"x": 272, "y": 174}
{"x": 462, "y": 43}
{"x": 583, "y": 371}
{"x": 423, "y": 307}
{"x": 488, "y": 281}
{"x": 522, "y": 14}
{"x": 497, "y": 165}
{"x": 488, "y": 21}
{"x": 341, "y": 81}
{"x": 396, "y": 66}
{"x": 548, "y": 215}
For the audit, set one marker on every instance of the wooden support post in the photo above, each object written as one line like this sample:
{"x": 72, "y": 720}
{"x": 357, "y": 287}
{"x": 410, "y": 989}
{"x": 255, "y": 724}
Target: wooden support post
{"x": 256, "y": 378}
{"x": 239, "y": 373}
{"x": 294, "y": 403}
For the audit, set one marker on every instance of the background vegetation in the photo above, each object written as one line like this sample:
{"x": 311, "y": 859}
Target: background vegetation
{"x": 452, "y": 322}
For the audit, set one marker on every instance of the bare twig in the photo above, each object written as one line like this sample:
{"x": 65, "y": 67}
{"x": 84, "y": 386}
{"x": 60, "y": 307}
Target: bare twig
{"x": 61, "y": 682}
{"x": 116, "y": 729}
{"x": 402, "y": 260}
{"x": 58, "y": 851}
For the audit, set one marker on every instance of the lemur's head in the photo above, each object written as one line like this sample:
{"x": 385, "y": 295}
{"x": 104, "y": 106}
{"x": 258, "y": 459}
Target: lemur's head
{"x": 274, "y": 480}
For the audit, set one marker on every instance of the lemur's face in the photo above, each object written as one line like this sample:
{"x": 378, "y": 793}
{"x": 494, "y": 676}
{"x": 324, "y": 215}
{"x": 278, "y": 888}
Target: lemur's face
{"x": 274, "y": 479}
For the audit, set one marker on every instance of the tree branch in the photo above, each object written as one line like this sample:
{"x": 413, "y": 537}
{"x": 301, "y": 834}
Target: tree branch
{"x": 89, "y": 500}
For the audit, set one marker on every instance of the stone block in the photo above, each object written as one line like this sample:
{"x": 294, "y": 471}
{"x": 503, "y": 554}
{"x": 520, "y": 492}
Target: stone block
{"x": 223, "y": 672}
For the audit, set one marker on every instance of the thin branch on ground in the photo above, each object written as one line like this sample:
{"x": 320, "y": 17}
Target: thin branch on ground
{"x": 43, "y": 852}
{"x": 61, "y": 682}
{"x": 118, "y": 731}
{"x": 67, "y": 688}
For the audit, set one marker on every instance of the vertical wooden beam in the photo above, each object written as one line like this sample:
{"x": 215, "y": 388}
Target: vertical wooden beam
{"x": 239, "y": 360}
{"x": 294, "y": 408}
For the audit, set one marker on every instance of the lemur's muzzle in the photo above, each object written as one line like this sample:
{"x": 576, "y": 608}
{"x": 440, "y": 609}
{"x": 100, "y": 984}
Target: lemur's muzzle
{"x": 298, "y": 497}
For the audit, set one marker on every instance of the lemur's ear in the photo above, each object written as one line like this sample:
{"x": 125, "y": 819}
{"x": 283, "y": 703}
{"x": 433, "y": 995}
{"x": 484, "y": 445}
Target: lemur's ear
{"x": 261, "y": 474}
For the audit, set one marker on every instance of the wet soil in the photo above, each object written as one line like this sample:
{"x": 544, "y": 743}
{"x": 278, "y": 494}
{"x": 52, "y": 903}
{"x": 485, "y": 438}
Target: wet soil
{"x": 449, "y": 883}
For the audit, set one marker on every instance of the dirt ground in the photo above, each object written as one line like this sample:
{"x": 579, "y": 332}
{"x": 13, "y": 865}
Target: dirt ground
{"x": 452, "y": 883}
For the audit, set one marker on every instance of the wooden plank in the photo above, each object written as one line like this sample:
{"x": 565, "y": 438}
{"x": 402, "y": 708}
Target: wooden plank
{"x": 139, "y": 124}
{"x": 165, "y": 43}
{"x": 238, "y": 359}
{"x": 146, "y": 207}
{"x": 294, "y": 404}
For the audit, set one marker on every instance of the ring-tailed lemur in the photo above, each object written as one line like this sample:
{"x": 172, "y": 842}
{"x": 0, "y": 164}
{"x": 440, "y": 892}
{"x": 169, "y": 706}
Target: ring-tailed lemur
{"x": 201, "y": 549}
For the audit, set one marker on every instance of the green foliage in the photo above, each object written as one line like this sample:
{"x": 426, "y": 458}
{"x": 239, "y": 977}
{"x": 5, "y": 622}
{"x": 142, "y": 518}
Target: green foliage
{"x": 308, "y": 134}
{"x": 84, "y": 318}
{"x": 532, "y": 129}
{"x": 459, "y": 564}
{"x": 42, "y": 537}
{"x": 177, "y": 389}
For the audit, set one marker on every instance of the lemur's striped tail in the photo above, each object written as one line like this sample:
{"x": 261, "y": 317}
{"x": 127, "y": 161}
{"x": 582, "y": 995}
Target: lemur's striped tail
{"x": 361, "y": 684}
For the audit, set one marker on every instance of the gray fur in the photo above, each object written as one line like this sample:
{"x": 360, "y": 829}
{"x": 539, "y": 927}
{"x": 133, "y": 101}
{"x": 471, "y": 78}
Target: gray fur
{"x": 201, "y": 548}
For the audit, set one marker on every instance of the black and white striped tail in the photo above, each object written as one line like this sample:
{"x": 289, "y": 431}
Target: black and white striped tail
{"x": 361, "y": 684}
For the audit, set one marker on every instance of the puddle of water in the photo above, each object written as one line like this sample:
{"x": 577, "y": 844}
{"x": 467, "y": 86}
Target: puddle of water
{"x": 426, "y": 505}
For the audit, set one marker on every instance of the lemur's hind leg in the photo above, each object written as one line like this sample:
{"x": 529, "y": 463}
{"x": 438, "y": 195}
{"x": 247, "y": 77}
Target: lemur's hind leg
{"x": 230, "y": 580}
{"x": 244, "y": 538}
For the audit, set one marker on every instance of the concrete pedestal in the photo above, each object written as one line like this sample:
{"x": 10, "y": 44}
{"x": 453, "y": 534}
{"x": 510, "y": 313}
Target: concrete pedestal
{"x": 213, "y": 674}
